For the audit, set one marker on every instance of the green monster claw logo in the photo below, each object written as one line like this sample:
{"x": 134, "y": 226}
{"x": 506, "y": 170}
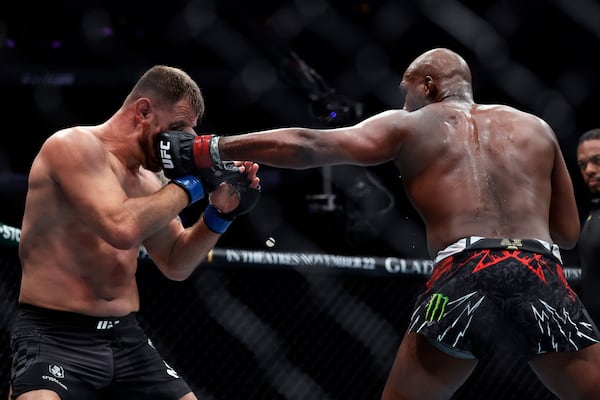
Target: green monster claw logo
{"x": 436, "y": 307}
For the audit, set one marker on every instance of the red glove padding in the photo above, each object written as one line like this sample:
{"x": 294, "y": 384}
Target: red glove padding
{"x": 183, "y": 153}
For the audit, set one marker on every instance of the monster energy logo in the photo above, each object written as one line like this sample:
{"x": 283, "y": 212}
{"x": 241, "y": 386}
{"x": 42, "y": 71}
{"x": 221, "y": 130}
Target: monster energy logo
{"x": 436, "y": 307}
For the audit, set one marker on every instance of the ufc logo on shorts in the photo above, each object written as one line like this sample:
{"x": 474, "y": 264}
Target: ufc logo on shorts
{"x": 102, "y": 325}
{"x": 165, "y": 157}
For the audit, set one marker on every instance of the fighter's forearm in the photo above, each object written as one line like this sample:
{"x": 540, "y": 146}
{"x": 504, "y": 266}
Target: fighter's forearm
{"x": 189, "y": 250}
{"x": 137, "y": 218}
{"x": 295, "y": 148}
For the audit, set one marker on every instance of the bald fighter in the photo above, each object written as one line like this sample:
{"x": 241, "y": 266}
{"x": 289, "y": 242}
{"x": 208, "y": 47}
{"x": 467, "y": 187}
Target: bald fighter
{"x": 497, "y": 201}
{"x": 94, "y": 199}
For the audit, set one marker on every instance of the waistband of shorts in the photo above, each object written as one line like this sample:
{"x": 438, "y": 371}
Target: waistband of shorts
{"x": 35, "y": 314}
{"x": 479, "y": 242}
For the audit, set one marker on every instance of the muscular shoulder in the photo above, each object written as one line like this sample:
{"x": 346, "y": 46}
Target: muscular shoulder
{"x": 73, "y": 145}
{"x": 512, "y": 119}
{"x": 505, "y": 111}
{"x": 76, "y": 137}
{"x": 71, "y": 150}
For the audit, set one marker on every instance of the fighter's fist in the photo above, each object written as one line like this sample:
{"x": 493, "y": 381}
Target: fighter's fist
{"x": 221, "y": 210}
{"x": 182, "y": 153}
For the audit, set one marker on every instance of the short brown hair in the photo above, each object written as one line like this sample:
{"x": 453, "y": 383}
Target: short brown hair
{"x": 171, "y": 84}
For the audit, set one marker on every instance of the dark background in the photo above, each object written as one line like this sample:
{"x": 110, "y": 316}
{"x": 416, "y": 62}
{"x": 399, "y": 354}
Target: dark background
{"x": 268, "y": 64}
{"x": 74, "y": 64}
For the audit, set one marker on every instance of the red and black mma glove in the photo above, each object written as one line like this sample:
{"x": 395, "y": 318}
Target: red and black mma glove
{"x": 183, "y": 153}
{"x": 194, "y": 163}
{"x": 218, "y": 221}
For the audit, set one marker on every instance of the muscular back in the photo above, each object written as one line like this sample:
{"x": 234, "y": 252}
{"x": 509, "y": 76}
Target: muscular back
{"x": 470, "y": 170}
{"x": 485, "y": 170}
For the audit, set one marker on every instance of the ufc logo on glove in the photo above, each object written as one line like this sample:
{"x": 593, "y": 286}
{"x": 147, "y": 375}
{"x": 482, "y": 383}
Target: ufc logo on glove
{"x": 165, "y": 157}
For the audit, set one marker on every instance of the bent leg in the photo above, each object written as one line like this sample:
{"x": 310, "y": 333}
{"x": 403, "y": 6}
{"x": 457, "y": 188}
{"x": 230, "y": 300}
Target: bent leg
{"x": 421, "y": 371}
{"x": 573, "y": 375}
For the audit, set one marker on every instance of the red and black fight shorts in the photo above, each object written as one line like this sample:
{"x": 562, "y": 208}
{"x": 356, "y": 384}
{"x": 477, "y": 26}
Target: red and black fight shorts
{"x": 83, "y": 357}
{"x": 501, "y": 292}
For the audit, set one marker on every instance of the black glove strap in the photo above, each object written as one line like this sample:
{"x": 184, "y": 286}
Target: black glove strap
{"x": 248, "y": 199}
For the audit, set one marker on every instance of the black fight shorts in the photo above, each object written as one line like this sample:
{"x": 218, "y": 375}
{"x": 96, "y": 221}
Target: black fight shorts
{"x": 81, "y": 357}
{"x": 506, "y": 292}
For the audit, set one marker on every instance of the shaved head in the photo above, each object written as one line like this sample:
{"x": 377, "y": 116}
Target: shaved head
{"x": 441, "y": 64}
{"x": 436, "y": 75}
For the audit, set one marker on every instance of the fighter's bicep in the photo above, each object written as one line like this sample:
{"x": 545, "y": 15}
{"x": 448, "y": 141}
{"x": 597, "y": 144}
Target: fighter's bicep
{"x": 375, "y": 140}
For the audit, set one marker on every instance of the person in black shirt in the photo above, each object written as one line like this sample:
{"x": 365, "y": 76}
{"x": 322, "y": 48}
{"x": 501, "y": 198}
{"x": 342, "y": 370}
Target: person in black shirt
{"x": 588, "y": 160}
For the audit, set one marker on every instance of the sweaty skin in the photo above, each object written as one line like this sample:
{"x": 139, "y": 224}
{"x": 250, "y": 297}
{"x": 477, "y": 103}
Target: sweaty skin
{"x": 469, "y": 169}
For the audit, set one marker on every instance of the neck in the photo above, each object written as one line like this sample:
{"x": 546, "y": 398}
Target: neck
{"x": 460, "y": 91}
{"x": 461, "y": 97}
{"x": 120, "y": 140}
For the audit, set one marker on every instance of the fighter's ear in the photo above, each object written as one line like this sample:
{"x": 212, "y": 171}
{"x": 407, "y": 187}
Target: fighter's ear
{"x": 430, "y": 87}
{"x": 143, "y": 107}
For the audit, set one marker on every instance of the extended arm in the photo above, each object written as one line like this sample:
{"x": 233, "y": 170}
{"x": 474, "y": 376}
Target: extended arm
{"x": 372, "y": 141}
